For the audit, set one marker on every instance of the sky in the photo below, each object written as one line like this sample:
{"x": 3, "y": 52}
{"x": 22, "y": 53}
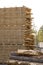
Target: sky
{"x": 35, "y": 5}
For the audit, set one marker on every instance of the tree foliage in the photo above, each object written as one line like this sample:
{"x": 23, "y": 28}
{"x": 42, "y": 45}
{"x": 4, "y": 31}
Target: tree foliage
{"x": 40, "y": 34}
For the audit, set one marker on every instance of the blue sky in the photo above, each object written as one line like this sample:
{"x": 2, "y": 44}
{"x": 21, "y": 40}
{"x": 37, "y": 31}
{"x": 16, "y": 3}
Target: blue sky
{"x": 35, "y": 5}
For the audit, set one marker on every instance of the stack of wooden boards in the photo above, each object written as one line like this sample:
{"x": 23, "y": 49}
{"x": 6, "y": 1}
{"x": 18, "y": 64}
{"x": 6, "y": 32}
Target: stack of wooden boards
{"x": 15, "y": 30}
{"x": 16, "y": 63}
{"x": 28, "y": 35}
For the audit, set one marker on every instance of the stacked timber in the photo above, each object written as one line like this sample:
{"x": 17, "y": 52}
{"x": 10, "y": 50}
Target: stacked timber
{"x": 28, "y": 36}
{"x": 16, "y": 63}
{"x": 15, "y": 30}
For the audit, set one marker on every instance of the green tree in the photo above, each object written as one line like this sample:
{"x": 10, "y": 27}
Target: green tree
{"x": 40, "y": 34}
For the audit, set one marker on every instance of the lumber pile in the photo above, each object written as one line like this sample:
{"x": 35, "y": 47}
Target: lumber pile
{"x": 15, "y": 30}
{"x": 28, "y": 36}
